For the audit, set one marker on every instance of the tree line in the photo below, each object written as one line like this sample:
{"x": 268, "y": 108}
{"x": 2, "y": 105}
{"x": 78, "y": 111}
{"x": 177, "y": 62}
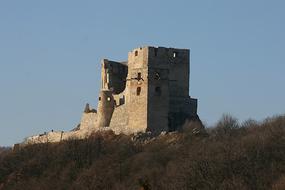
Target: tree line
{"x": 228, "y": 156}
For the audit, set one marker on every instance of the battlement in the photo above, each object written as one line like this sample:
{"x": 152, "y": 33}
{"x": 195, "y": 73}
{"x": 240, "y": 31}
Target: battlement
{"x": 169, "y": 55}
{"x": 161, "y": 54}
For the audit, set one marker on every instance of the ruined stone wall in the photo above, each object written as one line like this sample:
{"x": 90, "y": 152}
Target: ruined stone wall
{"x": 120, "y": 121}
{"x": 88, "y": 120}
{"x": 120, "y": 99}
{"x": 57, "y": 136}
{"x": 114, "y": 75}
{"x": 149, "y": 92}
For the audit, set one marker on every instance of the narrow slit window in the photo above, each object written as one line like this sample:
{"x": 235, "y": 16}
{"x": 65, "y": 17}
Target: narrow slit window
{"x": 99, "y": 98}
{"x": 175, "y": 54}
{"x": 136, "y": 53}
{"x": 139, "y": 76}
{"x": 139, "y": 89}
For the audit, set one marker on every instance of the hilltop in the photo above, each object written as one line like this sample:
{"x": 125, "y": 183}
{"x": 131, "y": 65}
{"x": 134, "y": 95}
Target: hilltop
{"x": 228, "y": 156}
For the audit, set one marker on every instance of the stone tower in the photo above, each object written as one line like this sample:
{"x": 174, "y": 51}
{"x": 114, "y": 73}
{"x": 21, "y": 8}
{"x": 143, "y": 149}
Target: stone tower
{"x": 150, "y": 91}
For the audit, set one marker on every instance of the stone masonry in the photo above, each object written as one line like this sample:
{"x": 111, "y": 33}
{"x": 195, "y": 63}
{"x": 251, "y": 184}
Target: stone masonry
{"x": 147, "y": 93}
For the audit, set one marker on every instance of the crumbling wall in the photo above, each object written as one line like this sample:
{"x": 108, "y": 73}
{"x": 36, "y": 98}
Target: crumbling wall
{"x": 149, "y": 92}
{"x": 53, "y": 136}
{"x": 120, "y": 120}
{"x": 88, "y": 120}
{"x": 56, "y": 136}
{"x": 114, "y": 75}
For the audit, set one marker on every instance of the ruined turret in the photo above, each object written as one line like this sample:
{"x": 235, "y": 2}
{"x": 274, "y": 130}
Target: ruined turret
{"x": 87, "y": 108}
{"x": 106, "y": 105}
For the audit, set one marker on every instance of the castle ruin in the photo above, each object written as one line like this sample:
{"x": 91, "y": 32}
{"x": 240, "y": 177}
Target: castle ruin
{"x": 147, "y": 93}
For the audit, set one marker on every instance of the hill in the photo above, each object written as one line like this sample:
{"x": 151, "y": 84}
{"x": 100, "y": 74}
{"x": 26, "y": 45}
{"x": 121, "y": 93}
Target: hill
{"x": 228, "y": 156}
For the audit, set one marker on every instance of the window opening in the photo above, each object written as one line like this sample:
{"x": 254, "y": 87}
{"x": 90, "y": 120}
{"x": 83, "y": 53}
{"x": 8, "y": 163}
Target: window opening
{"x": 139, "y": 89}
{"x": 139, "y": 76}
{"x": 136, "y": 53}
{"x": 157, "y": 76}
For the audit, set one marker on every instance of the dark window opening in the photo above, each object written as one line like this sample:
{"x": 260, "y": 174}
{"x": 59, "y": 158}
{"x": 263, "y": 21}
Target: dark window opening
{"x": 136, "y": 53}
{"x": 139, "y": 76}
{"x": 99, "y": 98}
{"x": 155, "y": 51}
{"x": 175, "y": 54}
{"x": 122, "y": 100}
{"x": 157, "y": 91}
{"x": 157, "y": 76}
{"x": 139, "y": 89}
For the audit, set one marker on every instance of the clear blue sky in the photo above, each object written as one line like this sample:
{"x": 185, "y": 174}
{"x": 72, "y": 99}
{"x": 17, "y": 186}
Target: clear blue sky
{"x": 50, "y": 53}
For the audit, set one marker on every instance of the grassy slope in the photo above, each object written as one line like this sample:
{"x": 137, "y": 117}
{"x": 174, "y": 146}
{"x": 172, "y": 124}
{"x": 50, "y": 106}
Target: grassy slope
{"x": 230, "y": 156}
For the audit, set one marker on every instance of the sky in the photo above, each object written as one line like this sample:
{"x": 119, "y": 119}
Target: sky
{"x": 50, "y": 54}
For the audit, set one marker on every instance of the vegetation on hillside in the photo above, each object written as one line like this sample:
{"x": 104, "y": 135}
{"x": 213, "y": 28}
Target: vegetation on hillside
{"x": 229, "y": 156}
{"x": 3, "y": 149}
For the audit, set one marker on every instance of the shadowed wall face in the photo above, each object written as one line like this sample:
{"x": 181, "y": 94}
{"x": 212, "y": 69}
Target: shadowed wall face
{"x": 169, "y": 103}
